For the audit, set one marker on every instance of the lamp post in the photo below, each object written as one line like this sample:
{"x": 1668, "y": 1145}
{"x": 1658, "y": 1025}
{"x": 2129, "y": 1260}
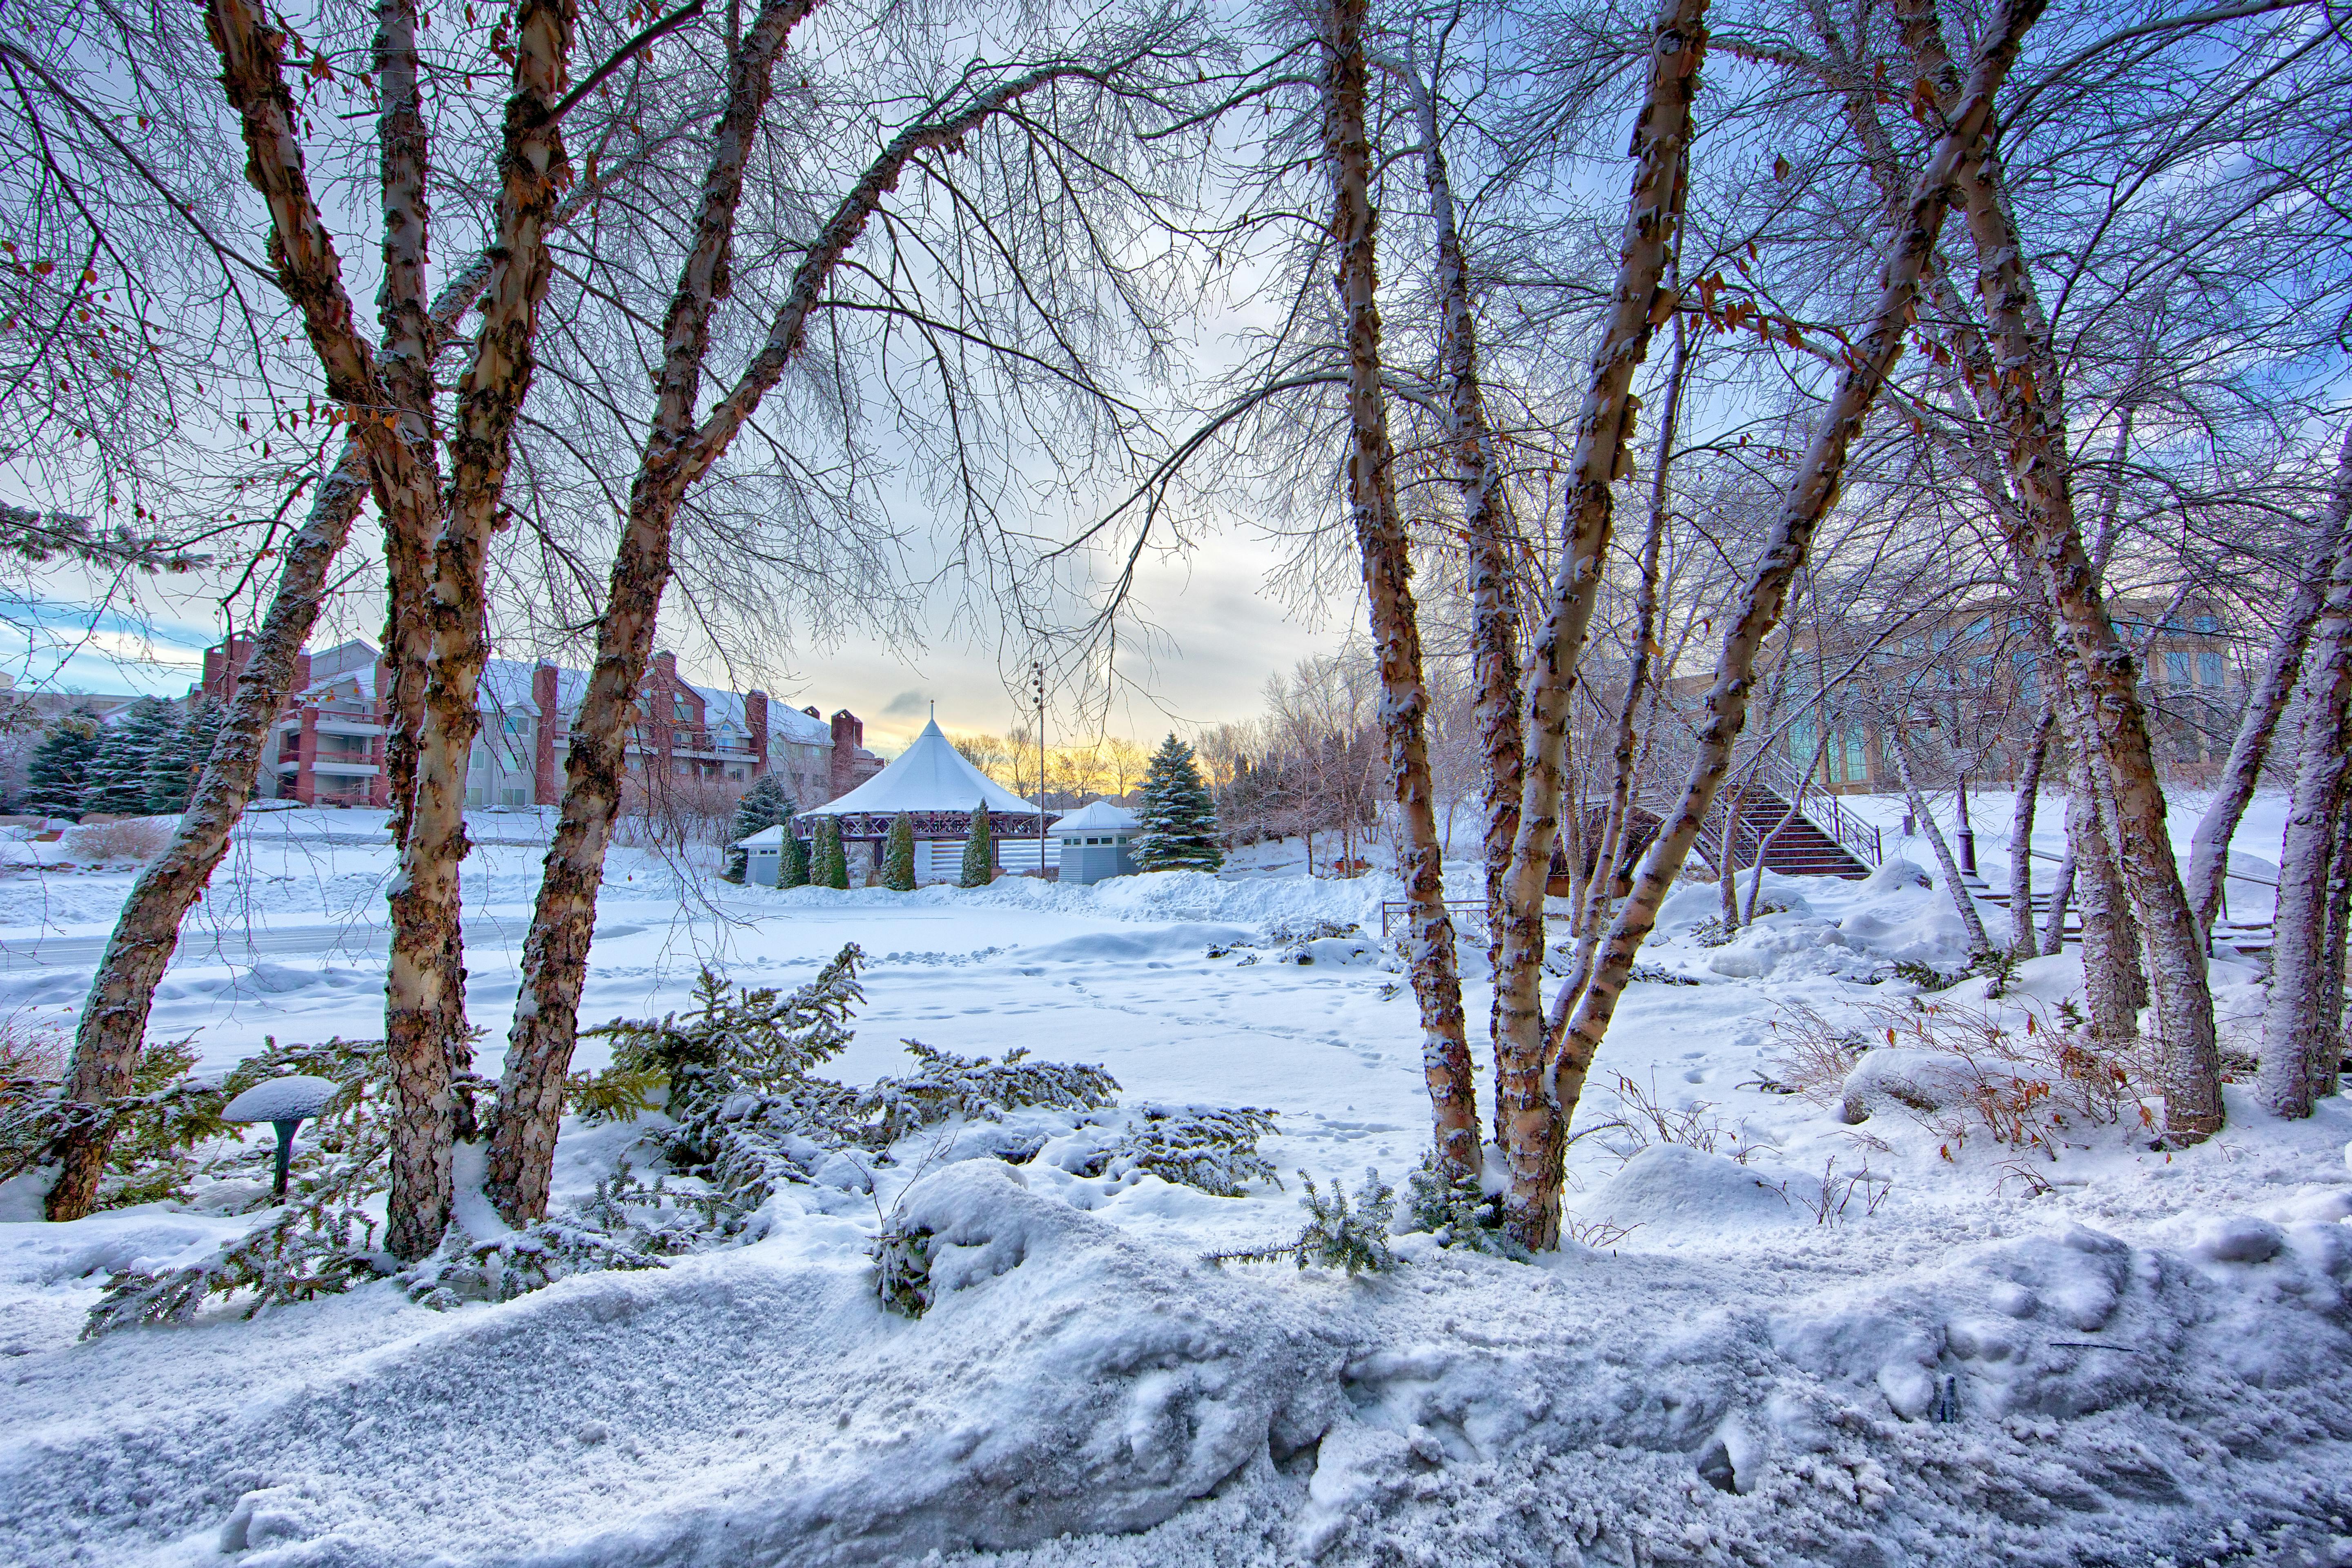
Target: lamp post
{"x": 1037, "y": 687}
{"x": 1968, "y": 836}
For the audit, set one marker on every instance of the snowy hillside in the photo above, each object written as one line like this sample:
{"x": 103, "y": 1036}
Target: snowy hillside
{"x": 1849, "y": 1325}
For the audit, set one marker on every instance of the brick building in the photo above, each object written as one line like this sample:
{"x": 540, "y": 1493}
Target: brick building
{"x": 329, "y": 741}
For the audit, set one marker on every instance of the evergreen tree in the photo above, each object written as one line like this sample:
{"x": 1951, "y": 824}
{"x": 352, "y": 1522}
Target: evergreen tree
{"x": 179, "y": 762}
{"x": 828, "y": 862}
{"x": 57, "y": 773}
{"x": 898, "y": 855}
{"x": 792, "y": 871}
{"x": 979, "y": 850}
{"x": 1180, "y": 820}
{"x": 117, "y": 778}
{"x": 765, "y": 805}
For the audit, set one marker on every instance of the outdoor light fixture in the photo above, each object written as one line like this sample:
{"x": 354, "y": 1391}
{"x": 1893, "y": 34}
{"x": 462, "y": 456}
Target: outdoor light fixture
{"x": 285, "y": 1103}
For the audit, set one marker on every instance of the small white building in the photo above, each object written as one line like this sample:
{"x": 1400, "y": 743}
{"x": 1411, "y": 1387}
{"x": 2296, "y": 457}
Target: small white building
{"x": 1098, "y": 843}
{"x": 763, "y": 856}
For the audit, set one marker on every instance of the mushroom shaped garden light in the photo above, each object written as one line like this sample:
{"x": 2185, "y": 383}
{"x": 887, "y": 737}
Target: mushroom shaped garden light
{"x": 285, "y": 1103}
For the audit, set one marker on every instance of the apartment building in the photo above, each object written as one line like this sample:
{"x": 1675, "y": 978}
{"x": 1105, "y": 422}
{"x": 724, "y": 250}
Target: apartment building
{"x": 329, "y": 747}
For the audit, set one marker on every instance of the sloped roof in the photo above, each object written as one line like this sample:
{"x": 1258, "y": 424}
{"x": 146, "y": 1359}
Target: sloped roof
{"x": 930, "y": 775}
{"x": 772, "y": 835}
{"x": 1102, "y": 816}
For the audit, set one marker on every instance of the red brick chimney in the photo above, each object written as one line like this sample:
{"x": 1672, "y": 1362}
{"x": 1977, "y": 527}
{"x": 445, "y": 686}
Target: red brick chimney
{"x": 848, "y": 734}
{"x": 224, "y": 662}
{"x": 755, "y": 718}
{"x": 546, "y": 786}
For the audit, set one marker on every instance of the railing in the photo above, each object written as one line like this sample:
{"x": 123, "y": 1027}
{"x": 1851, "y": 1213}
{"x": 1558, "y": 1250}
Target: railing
{"x": 1823, "y": 812}
{"x": 1395, "y": 909}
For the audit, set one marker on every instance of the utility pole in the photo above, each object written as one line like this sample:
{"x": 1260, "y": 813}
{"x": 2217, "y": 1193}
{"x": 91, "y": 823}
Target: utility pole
{"x": 1037, "y": 688}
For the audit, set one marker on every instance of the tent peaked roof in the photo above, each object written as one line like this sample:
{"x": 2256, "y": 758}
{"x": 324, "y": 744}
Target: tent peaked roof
{"x": 930, "y": 775}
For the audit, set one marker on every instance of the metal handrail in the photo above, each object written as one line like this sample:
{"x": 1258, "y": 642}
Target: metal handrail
{"x": 1850, "y": 831}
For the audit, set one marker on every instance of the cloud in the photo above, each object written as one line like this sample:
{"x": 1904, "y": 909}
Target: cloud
{"x": 906, "y": 705}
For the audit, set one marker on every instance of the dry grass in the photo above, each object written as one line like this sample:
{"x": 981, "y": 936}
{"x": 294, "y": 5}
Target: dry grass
{"x": 31, "y": 1049}
{"x": 2035, "y": 1087}
{"x": 136, "y": 840}
{"x": 1815, "y": 1055}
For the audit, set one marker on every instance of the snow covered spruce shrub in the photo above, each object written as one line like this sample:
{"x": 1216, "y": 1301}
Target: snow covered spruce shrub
{"x": 1459, "y": 1213}
{"x": 321, "y": 1241}
{"x": 902, "y": 1267}
{"x": 949, "y": 1085}
{"x": 157, "y": 1128}
{"x": 1338, "y": 1234}
{"x": 1213, "y": 1148}
{"x": 503, "y": 1267}
{"x": 899, "y": 855}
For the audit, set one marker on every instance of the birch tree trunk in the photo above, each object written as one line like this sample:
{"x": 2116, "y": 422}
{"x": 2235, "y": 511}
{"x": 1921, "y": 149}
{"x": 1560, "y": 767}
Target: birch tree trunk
{"x": 2209, "y": 856}
{"x": 1796, "y": 809}
{"x": 423, "y": 978}
{"x": 2299, "y": 1035}
{"x": 1638, "y": 303}
{"x": 2029, "y": 392}
{"x": 1487, "y": 537}
{"x": 310, "y": 274}
{"x": 113, "y": 1025}
{"x": 1625, "y": 748}
{"x": 1963, "y": 903}
{"x": 677, "y": 453}
{"x": 2020, "y": 839}
{"x": 2061, "y": 895}
{"x": 2327, "y": 1071}
{"x": 1387, "y": 589}
{"x": 1534, "y": 1201}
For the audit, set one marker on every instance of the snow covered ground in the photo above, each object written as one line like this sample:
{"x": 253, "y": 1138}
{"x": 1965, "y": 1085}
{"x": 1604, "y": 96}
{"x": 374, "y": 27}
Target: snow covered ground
{"x": 2118, "y": 1355}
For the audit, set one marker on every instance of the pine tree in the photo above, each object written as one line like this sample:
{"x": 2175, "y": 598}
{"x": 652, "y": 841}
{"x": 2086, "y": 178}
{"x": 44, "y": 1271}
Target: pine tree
{"x": 1180, "y": 820}
{"x": 179, "y": 762}
{"x": 979, "y": 850}
{"x": 56, "y": 775}
{"x": 792, "y": 871}
{"x": 898, "y": 855}
{"x": 764, "y": 805}
{"x": 828, "y": 862}
{"x": 117, "y": 777}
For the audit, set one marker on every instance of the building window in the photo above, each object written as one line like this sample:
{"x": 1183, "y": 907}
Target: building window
{"x": 2208, "y": 625}
{"x": 2176, "y": 667}
{"x": 515, "y": 797}
{"x": 2209, "y": 669}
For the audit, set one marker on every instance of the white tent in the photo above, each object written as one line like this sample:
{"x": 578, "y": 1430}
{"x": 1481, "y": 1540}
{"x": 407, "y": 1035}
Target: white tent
{"x": 930, "y": 775}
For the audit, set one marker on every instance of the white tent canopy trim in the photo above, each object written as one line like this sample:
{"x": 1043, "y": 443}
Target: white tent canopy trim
{"x": 931, "y": 783}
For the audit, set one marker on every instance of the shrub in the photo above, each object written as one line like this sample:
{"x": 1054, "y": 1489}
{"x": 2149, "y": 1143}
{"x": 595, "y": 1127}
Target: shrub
{"x": 979, "y": 851}
{"x": 1459, "y": 1213}
{"x": 134, "y": 840}
{"x": 1210, "y": 1148}
{"x": 2026, "y": 1087}
{"x": 1336, "y": 1235}
{"x": 899, "y": 855}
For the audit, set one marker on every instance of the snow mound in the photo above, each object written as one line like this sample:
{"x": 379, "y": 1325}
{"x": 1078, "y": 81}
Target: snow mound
{"x": 1790, "y": 946}
{"x": 1906, "y": 1076}
{"x": 1669, "y": 1190}
{"x": 1156, "y": 897}
{"x": 1068, "y": 1378}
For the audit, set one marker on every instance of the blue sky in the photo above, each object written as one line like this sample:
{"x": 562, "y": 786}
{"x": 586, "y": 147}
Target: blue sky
{"x": 60, "y": 645}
